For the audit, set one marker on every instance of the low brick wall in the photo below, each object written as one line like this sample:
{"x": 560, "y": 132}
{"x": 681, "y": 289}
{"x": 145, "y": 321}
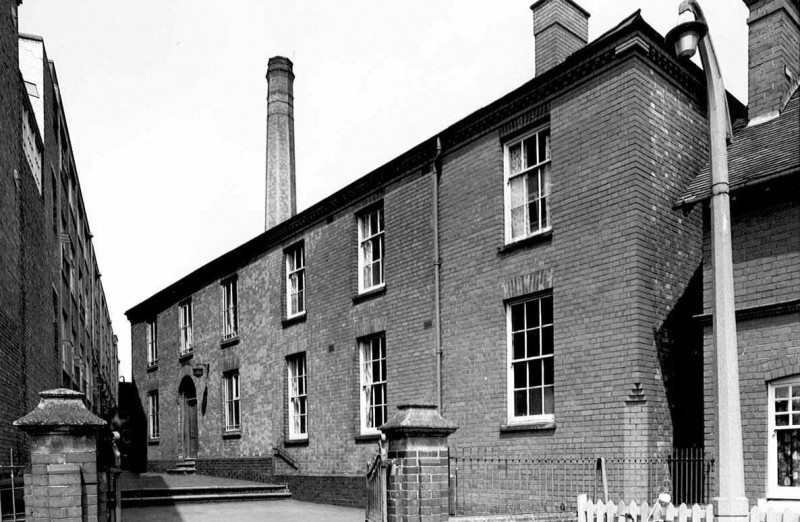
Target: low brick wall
{"x": 257, "y": 469}
{"x": 338, "y": 490}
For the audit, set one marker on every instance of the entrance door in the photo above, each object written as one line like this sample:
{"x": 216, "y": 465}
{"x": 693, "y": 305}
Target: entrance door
{"x": 189, "y": 403}
{"x": 191, "y": 428}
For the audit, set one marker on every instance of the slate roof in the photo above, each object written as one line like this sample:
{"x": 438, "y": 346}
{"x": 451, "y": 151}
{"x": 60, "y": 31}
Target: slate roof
{"x": 757, "y": 154}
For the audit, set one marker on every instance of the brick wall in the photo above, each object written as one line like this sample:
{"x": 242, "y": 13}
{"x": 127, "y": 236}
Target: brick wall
{"x": 766, "y": 257}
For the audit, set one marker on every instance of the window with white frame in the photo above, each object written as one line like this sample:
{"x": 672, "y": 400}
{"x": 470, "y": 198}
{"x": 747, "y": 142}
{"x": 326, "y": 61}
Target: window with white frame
{"x": 783, "y": 467}
{"x": 153, "y": 419}
{"x": 230, "y": 391}
{"x": 373, "y": 383}
{"x": 527, "y": 185}
{"x": 370, "y": 249}
{"x": 152, "y": 343}
{"x": 230, "y": 313}
{"x": 530, "y": 360}
{"x": 298, "y": 397}
{"x": 185, "y": 326}
{"x": 295, "y": 280}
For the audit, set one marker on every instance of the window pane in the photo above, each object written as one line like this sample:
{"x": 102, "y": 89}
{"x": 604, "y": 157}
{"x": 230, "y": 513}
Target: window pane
{"x": 519, "y": 221}
{"x": 520, "y": 403}
{"x": 535, "y": 372}
{"x": 547, "y": 309}
{"x": 788, "y": 455}
{"x": 518, "y": 191}
{"x": 518, "y": 341}
{"x": 781, "y": 392}
{"x": 520, "y": 375}
{"x": 530, "y": 151}
{"x": 533, "y": 216}
{"x": 545, "y": 219}
{"x": 517, "y": 317}
{"x": 548, "y": 370}
{"x": 549, "y": 401}
{"x": 532, "y": 313}
{"x": 377, "y": 273}
{"x": 547, "y": 340}
{"x": 781, "y": 405}
{"x": 795, "y": 391}
{"x": 544, "y": 145}
{"x": 515, "y": 158}
{"x": 781, "y": 420}
{"x": 533, "y": 343}
{"x": 536, "y": 401}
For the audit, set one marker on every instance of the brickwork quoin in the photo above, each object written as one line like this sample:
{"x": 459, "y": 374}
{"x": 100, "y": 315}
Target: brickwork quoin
{"x": 63, "y": 483}
{"x": 417, "y": 485}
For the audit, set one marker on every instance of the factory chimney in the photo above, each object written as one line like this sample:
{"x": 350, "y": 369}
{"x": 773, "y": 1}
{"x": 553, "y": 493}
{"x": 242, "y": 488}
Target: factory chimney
{"x": 280, "y": 193}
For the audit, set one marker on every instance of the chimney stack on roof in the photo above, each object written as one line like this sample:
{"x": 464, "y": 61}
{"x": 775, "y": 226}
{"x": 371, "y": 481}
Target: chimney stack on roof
{"x": 773, "y": 49}
{"x": 560, "y": 27}
{"x": 280, "y": 194}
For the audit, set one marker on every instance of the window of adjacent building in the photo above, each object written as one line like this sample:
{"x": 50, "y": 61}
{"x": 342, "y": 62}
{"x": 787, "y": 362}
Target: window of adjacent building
{"x": 153, "y": 420}
{"x": 230, "y": 391}
{"x": 295, "y": 280}
{"x": 530, "y": 360}
{"x": 185, "y": 326}
{"x": 783, "y": 467}
{"x": 370, "y": 249}
{"x": 298, "y": 397}
{"x": 152, "y": 343}
{"x": 527, "y": 185}
{"x": 373, "y": 383}
{"x": 230, "y": 313}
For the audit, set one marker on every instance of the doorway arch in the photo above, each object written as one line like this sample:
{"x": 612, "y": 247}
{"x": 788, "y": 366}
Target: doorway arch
{"x": 188, "y": 404}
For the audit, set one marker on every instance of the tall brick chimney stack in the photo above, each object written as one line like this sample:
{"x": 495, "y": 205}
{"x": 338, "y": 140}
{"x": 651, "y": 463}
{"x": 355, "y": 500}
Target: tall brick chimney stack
{"x": 280, "y": 196}
{"x": 560, "y": 27}
{"x": 774, "y": 47}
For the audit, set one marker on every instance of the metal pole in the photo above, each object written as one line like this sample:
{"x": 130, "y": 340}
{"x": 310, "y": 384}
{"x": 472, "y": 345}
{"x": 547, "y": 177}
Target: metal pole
{"x": 731, "y": 503}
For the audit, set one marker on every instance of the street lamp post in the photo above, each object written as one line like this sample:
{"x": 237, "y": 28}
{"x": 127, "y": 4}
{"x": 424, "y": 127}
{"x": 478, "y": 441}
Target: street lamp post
{"x": 731, "y": 505}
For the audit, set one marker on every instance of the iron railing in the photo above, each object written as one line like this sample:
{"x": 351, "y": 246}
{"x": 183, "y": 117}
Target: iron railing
{"x": 376, "y": 490}
{"x": 12, "y": 491}
{"x": 487, "y": 481}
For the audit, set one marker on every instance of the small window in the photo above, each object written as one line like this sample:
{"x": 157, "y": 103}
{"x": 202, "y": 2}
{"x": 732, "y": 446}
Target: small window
{"x": 530, "y": 360}
{"x": 153, "y": 419}
{"x": 295, "y": 281}
{"x": 373, "y": 383}
{"x": 152, "y": 343}
{"x": 185, "y": 326}
{"x": 298, "y": 397}
{"x": 527, "y": 186}
{"x": 230, "y": 386}
{"x": 370, "y": 250}
{"x": 783, "y": 467}
{"x": 230, "y": 314}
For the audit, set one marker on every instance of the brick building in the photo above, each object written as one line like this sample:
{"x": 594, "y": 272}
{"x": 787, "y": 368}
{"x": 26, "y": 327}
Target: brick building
{"x": 527, "y": 269}
{"x": 55, "y": 329}
{"x": 764, "y": 163}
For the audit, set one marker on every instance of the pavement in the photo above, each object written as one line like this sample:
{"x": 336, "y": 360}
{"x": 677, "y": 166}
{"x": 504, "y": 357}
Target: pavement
{"x": 272, "y": 511}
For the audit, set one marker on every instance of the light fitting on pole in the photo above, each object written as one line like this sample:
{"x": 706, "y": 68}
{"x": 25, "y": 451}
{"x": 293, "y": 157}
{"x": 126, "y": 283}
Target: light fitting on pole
{"x": 686, "y": 36}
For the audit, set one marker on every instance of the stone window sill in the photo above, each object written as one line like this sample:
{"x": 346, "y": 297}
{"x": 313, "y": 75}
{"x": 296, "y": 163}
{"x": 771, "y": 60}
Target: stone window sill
{"x": 288, "y": 443}
{"x": 153, "y": 442}
{"x": 289, "y": 321}
{"x": 369, "y": 294}
{"x": 528, "y": 426}
{"x": 152, "y": 368}
{"x": 232, "y": 434}
{"x": 186, "y": 356}
{"x": 224, "y": 343}
{"x": 542, "y": 237}
{"x": 367, "y": 437}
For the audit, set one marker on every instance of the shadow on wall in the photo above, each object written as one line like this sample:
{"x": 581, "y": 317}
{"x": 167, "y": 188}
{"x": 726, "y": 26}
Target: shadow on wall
{"x": 679, "y": 342}
{"x": 131, "y": 423}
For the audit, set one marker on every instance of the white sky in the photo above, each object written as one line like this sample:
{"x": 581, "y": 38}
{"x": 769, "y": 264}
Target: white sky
{"x": 166, "y": 105}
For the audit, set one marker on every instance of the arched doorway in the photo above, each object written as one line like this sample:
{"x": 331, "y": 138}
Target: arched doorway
{"x": 188, "y": 400}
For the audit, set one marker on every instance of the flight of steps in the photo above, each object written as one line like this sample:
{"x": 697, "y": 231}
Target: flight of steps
{"x": 180, "y": 495}
{"x": 184, "y": 467}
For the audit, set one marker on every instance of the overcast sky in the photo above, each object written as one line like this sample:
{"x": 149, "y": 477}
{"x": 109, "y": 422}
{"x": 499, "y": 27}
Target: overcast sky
{"x": 166, "y": 105}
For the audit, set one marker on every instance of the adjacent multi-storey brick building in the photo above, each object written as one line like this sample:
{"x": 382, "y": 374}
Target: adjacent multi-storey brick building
{"x": 764, "y": 165}
{"x": 55, "y": 329}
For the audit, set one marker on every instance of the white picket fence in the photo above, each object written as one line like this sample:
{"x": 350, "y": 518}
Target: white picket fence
{"x": 600, "y": 511}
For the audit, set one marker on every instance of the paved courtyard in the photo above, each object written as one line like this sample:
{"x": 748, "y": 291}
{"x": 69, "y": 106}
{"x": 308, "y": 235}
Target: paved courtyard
{"x": 278, "y": 511}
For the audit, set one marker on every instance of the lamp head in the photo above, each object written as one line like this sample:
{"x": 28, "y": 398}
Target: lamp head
{"x": 686, "y": 36}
